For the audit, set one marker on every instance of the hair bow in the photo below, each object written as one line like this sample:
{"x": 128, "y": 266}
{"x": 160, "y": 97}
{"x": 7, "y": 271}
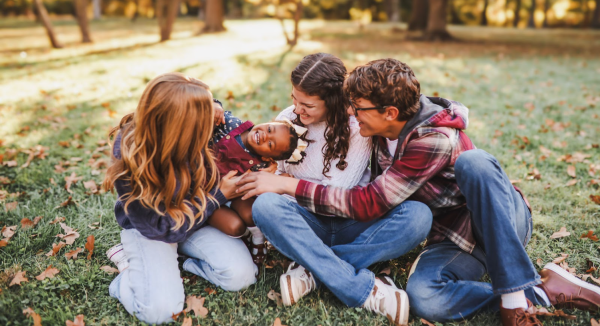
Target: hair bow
{"x": 302, "y": 144}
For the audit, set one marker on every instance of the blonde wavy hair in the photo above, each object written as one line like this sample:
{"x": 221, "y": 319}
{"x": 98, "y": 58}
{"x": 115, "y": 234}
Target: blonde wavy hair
{"x": 164, "y": 149}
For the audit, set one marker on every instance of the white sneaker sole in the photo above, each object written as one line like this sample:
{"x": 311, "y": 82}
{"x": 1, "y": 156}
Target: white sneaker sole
{"x": 566, "y": 275}
{"x": 285, "y": 283}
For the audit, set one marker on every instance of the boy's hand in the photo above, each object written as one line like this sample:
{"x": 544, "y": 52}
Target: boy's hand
{"x": 219, "y": 114}
{"x": 271, "y": 168}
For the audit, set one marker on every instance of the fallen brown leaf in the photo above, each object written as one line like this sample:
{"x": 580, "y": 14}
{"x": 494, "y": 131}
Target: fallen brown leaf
{"x": 66, "y": 203}
{"x": 27, "y": 223}
{"x": 19, "y": 278}
{"x": 89, "y": 246}
{"x": 10, "y": 206}
{"x": 91, "y": 186}
{"x": 561, "y": 233}
{"x": 277, "y": 322}
{"x": 571, "y": 171}
{"x": 70, "y": 236}
{"x": 187, "y": 321}
{"x": 539, "y": 262}
{"x": 426, "y": 322}
{"x": 58, "y": 220}
{"x": 73, "y": 253}
{"x": 590, "y": 235}
{"x": 72, "y": 179}
{"x": 50, "y": 272}
{"x": 594, "y": 322}
{"x": 591, "y": 270}
{"x": 37, "y": 320}
{"x": 8, "y": 231}
{"x": 196, "y": 303}
{"x": 560, "y": 258}
{"x": 572, "y": 182}
{"x": 210, "y": 291}
{"x": 109, "y": 270}
{"x": 78, "y": 321}
{"x": 55, "y": 249}
{"x": 3, "y": 243}
{"x": 595, "y": 199}
{"x": 272, "y": 295}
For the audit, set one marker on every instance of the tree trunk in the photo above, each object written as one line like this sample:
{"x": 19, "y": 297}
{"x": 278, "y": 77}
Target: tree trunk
{"x": 596, "y": 17}
{"x": 484, "y": 20}
{"x": 97, "y": 8}
{"x": 454, "y": 16}
{"x": 436, "y": 21}
{"x": 137, "y": 11}
{"x": 214, "y": 16}
{"x": 297, "y": 17}
{"x": 82, "y": 20}
{"x": 166, "y": 12}
{"x": 506, "y": 22}
{"x": 531, "y": 21}
{"x": 43, "y": 15}
{"x": 419, "y": 15}
{"x": 517, "y": 11}
{"x": 546, "y": 8}
{"x": 393, "y": 10}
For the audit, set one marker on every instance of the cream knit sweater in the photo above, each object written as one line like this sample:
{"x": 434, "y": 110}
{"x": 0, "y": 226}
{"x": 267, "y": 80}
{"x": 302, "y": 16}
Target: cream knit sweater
{"x": 311, "y": 168}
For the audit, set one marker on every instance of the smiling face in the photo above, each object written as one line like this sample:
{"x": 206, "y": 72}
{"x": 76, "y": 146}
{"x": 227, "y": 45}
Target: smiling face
{"x": 371, "y": 122}
{"x": 310, "y": 109}
{"x": 270, "y": 140}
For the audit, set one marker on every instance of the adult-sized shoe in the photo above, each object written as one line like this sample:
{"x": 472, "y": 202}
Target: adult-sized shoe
{"x": 567, "y": 291}
{"x": 295, "y": 283}
{"x": 519, "y": 316}
{"x": 386, "y": 299}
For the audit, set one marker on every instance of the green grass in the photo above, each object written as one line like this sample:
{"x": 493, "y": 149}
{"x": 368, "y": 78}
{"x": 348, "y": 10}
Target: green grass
{"x": 512, "y": 80}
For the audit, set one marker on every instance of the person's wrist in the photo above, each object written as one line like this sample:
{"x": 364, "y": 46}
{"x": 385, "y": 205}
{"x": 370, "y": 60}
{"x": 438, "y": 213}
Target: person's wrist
{"x": 289, "y": 186}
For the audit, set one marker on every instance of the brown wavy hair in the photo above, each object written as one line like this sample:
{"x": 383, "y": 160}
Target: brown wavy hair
{"x": 323, "y": 74}
{"x": 164, "y": 149}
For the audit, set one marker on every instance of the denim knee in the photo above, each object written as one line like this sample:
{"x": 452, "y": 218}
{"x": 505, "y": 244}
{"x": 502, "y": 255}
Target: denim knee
{"x": 422, "y": 219}
{"x": 264, "y": 206}
{"x": 237, "y": 277}
{"x": 160, "y": 309}
{"x": 423, "y": 295}
{"x": 475, "y": 162}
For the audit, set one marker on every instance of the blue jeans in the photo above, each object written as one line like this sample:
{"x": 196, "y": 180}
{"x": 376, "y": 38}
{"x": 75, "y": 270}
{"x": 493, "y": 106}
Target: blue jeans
{"x": 152, "y": 288}
{"x": 445, "y": 283}
{"x": 337, "y": 251}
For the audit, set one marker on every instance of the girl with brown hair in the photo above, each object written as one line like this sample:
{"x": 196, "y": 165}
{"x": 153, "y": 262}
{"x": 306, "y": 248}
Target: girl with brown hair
{"x": 167, "y": 182}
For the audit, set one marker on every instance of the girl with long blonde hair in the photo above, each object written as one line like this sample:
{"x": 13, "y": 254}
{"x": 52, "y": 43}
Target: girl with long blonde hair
{"x": 167, "y": 183}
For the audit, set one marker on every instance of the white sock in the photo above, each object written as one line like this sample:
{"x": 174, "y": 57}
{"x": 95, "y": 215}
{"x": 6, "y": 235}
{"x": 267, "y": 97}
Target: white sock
{"x": 542, "y": 295}
{"x": 514, "y": 300}
{"x": 257, "y": 235}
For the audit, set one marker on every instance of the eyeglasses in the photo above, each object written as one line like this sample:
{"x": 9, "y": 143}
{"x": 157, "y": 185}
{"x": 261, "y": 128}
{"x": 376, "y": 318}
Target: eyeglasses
{"x": 355, "y": 109}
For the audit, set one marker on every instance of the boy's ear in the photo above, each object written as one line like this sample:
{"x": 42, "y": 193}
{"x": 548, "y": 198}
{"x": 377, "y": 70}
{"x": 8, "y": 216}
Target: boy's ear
{"x": 391, "y": 113}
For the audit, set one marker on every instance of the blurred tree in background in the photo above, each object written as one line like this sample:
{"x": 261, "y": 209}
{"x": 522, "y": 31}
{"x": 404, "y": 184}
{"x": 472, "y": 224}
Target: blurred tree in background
{"x": 427, "y": 19}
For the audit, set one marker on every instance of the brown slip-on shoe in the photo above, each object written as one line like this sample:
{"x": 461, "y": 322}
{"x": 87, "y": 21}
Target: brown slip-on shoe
{"x": 567, "y": 291}
{"x": 519, "y": 316}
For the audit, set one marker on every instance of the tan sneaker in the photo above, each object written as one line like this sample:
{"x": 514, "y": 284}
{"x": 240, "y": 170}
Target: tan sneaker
{"x": 295, "y": 283}
{"x": 386, "y": 299}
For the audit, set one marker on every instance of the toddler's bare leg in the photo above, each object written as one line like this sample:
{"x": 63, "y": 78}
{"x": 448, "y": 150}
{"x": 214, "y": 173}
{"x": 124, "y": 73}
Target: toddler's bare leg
{"x": 227, "y": 221}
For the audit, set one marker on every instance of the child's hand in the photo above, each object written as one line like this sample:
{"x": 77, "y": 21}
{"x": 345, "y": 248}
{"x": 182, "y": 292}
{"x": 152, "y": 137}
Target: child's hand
{"x": 219, "y": 114}
{"x": 271, "y": 168}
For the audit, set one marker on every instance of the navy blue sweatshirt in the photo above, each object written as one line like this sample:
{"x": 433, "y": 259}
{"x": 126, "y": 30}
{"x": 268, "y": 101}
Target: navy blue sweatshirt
{"x": 151, "y": 224}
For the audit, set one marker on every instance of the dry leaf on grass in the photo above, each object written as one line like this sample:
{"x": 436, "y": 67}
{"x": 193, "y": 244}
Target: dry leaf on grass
{"x": 66, "y": 203}
{"x": 595, "y": 199}
{"x": 560, "y": 234}
{"x": 50, "y": 272}
{"x": 58, "y": 219}
{"x": 37, "y": 320}
{"x": 55, "y": 248}
{"x": 91, "y": 186}
{"x": 3, "y": 243}
{"x": 8, "y": 231}
{"x": 272, "y": 295}
{"x": 27, "y": 223}
{"x": 571, "y": 182}
{"x": 196, "y": 303}
{"x": 73, "y": 253}
{"x": 571, "y": 270}
{"x": 89, "y": 246}
{"x": 425, "y": 322}
{"x": 70, "y": 180}
{"x": 594, "y": 322}
{"x": 539, "y": 262}
{"x": 70, "y": 234}
{"x": 560, "y": 258}
{"x": 10, "y": 206}
{"x": 109, "y": 270}
{"x": 590, "y": 235}
{"x": 187, "y": 321}
{"x": 19, "y": 277}
{"x": 277, "y": 322}
{"x": 571, "y": 171}
{"x": 78, "y": 321}
{"x": 210, "y": 291}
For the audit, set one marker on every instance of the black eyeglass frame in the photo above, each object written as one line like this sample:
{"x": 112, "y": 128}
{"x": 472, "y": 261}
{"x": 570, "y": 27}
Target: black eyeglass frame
{"x": 355, "y": 109}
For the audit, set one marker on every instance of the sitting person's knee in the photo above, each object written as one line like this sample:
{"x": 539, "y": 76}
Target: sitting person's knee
{"x": 235, "y": 228}
{"x": 238, "y": 278}
{"x": 422, "y": 298}
{"x": 473, "y": 162}
{"x": 160, "y": 310}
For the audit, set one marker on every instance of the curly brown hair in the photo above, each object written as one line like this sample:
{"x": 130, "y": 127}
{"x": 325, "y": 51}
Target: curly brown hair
{"x": 323, "y": 75}
{"x": 386, "y": 82}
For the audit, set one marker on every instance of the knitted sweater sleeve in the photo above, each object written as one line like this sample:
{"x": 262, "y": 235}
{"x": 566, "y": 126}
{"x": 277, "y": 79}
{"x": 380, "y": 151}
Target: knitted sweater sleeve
{"x": 359, "y": 153}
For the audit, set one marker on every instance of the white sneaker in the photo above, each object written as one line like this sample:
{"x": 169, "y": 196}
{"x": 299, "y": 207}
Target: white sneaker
{"x": 295, "y": 283}
{"x": 386, "y": 299}
{"x": 118, "y": 257}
